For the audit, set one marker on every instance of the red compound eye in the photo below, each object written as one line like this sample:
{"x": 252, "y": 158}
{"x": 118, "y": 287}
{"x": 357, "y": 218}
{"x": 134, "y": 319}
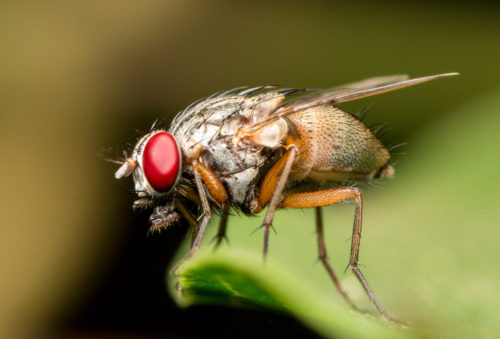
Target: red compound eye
{"x": 160, "y": 161}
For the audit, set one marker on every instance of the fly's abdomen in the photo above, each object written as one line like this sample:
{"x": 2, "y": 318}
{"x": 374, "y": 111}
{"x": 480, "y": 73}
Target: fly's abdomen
{"x": 335, "y": 146}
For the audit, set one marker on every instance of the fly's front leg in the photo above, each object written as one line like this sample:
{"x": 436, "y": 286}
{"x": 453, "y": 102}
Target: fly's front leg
{"x": 328, "y": 197}
{"x": 204, "y": 177}
{"x": 206, "y": 218}
{"x": 274, "y": 183}
{"x": 214, "y": 185}
{"x": 190, "y": 219}
{"x": 218, "y": 193}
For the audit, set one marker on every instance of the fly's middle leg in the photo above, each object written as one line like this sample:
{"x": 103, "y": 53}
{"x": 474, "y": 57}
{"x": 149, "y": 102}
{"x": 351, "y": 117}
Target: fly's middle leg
{"x": 272, "y": 188}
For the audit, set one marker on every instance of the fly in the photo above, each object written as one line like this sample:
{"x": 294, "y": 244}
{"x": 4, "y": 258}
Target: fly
{"x": 251, "y": 148}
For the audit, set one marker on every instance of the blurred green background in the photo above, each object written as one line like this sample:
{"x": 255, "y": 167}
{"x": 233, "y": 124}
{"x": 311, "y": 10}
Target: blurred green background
{"x": 78, "y": 78}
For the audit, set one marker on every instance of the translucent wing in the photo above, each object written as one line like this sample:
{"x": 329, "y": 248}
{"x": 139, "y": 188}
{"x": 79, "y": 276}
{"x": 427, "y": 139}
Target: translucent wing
{"x": 264, "y": 124}
{"x": 353, "y": 91}
{"x": 319, "y": 95}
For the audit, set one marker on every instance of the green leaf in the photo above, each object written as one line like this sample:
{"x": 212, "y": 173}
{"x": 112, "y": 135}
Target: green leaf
{"x": 234, "y": 278}
{"x": 221, "y": 282}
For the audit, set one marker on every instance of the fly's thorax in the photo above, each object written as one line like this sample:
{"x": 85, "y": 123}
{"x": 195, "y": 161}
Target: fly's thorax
{"x": 335, "y": 146}
{"x": 221, "y": 117}
{"x": 210, "y": 126}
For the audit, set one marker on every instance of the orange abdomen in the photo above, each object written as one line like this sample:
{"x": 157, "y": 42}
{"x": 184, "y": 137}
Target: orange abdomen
{"x": 334, "y": 146}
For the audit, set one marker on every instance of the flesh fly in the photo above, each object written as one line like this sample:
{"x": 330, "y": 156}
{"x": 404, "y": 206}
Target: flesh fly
{"x": 251, "y": 148}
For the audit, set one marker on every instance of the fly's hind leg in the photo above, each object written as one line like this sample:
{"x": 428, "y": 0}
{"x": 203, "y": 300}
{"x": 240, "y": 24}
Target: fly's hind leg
{"x": 323, "y": 257}
{"x": 331, "y": 196}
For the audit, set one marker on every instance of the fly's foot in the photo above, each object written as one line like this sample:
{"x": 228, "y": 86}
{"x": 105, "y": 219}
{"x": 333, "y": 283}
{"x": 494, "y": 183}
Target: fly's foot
{"x": 218, "y": 239}
{"x": 175, "y": 270}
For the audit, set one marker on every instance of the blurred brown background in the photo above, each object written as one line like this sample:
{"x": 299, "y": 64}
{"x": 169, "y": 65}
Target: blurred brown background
{"x": 78, "y": 78}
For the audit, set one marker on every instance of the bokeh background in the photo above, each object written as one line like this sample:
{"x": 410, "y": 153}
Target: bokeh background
{"x": 79, "y": 81}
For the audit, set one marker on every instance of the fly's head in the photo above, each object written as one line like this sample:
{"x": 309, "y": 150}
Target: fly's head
{"x": 155, "y": 165}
